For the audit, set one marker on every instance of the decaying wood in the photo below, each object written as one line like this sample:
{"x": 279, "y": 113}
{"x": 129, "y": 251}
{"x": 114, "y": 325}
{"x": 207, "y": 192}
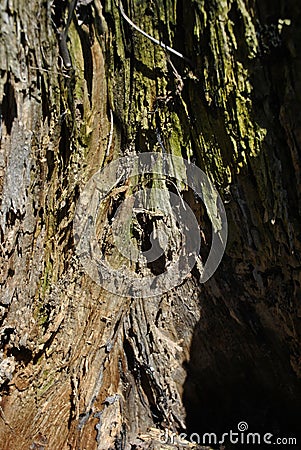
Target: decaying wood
{"x": 83, "y": 368}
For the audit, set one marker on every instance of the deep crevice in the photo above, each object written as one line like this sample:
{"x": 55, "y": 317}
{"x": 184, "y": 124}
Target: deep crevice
{"x": 9, "y": 105}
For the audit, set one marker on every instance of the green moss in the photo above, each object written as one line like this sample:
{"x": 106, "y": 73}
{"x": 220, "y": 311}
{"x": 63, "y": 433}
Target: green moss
{"x": 44, "y": 388}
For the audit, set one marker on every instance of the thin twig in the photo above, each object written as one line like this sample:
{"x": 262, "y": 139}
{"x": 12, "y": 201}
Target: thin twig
{"x": 177, "y": 76}
{"x": 111, "y": 133}
{"x": 166, "y": 47}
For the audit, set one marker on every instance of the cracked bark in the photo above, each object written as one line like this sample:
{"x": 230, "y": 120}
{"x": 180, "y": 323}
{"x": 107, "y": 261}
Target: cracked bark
{"x": 82, "y": 368}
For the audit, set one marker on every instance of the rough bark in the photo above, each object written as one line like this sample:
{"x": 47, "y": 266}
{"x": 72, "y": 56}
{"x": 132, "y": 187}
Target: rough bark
{"x": 82, "y": 368}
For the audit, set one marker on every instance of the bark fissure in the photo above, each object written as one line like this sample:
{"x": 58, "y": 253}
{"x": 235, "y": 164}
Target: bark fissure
{"x": 81, "y": 367}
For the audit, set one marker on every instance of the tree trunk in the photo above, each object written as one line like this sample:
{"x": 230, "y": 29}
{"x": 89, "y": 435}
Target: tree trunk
{"x": 85, "y": 368}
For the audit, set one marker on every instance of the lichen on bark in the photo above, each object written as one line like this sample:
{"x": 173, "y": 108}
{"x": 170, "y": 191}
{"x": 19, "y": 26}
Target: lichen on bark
{"x": 68, "y": 345}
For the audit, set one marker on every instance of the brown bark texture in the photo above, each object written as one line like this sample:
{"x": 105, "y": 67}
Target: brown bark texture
{"x": 83, "y": 368}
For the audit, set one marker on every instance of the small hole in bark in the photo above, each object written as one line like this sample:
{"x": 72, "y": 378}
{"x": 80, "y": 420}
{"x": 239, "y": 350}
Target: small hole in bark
{"x": 9, "y": 106}
{"x": 21, "y": 354}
